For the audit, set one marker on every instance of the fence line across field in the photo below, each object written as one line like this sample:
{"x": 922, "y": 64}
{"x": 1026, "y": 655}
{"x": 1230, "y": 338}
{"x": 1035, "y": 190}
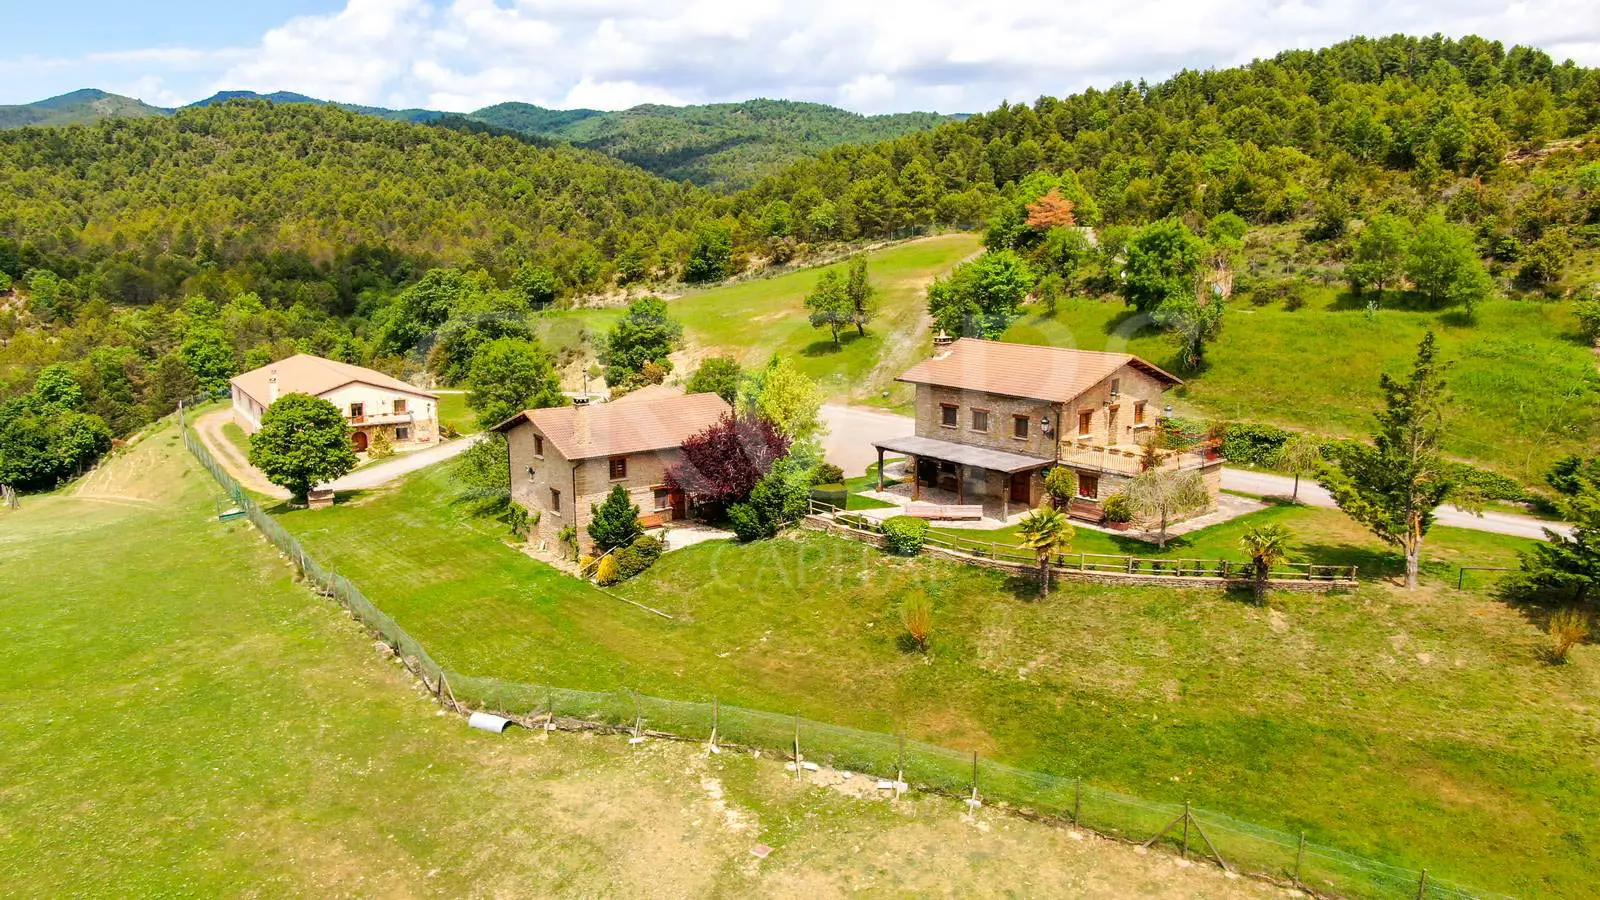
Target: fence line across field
{"x": 889, "y": 759}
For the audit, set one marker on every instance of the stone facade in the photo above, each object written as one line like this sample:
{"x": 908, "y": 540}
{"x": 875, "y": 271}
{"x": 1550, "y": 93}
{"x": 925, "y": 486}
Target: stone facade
{"x": 1099, "y": 434}
{"x": 560, "y": 492}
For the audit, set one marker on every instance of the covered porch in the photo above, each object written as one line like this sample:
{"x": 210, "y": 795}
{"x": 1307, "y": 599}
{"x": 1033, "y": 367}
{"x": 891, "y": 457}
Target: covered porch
{"x": 970, "y": 474}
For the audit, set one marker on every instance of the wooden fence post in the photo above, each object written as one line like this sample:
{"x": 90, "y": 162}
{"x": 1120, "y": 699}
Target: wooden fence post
{"x": 1299, "y": 856}
{"x": 1186, "y": 817}
{"x": 797, "y": 770}
{"x": 1422, "y": 886}
{"x": 974, "y": 801}
{"x": 1077, "y": 801}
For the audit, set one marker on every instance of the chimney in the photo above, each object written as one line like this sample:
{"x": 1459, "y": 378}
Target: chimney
{"x": 272, "y": 387}
{"x": 580, "y": 421}
{"x": 942, "y": 345}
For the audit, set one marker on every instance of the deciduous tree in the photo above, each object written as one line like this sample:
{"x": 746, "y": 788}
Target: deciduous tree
{"x": 1165, "y": 493}
{"x": 509, "y": 376}
{"x": 644, "y": 334}
{"x": 721, "y": 465}
{"x": 303, "y": 442}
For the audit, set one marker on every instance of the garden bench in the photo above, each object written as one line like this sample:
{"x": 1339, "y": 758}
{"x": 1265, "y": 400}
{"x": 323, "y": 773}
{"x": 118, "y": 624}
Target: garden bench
{"x": 934, "y": 511}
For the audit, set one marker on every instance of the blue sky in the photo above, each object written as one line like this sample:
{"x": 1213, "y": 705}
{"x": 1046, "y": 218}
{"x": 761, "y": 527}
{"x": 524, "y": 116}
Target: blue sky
{"x": 876, "y": 56}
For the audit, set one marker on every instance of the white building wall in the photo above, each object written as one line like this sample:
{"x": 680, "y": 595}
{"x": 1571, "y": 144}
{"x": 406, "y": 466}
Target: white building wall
{"x": 379, "y": 403}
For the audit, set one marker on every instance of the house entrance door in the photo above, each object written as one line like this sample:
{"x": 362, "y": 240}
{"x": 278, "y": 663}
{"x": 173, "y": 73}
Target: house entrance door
{"x": 359, "y": 440}
{"x": 1019, "y": 487}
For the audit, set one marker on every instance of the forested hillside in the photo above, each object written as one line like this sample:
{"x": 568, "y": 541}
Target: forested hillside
{"x": 1449, "y": 179}
{"x": 76, "y": 108}
{"x": 729, "y": 145}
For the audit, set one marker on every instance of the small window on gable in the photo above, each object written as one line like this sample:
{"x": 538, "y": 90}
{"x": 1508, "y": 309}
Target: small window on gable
{"x": 538, "y": 445}
{"x": 1138, "y": 412}
{"x": 1116, "y": 386}
{"x": 555, "y": 500}
{"x": 619, "y": 468}
{"x": 1019, "y": 426}
{"x": 980, "y": 420}
{"x": 400, "y": 406}
{"x": 1085, "y": 423}
{"x": 947, "y": 414}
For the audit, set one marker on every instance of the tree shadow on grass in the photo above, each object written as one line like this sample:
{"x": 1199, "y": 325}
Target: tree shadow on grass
{"x": 826, "y": 346}
{"x": 1371, "y": 564}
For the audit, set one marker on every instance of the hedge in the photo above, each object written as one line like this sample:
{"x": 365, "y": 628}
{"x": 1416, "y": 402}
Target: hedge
{"x": 904, "y": 535}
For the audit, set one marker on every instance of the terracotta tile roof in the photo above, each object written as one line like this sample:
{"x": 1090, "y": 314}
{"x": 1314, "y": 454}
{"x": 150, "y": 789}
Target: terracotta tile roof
{"x": 307, "y": 374}
{"x": 614, "y": 429}
{"x": 650, "y": 392}
{"x": 1056, "y": 374}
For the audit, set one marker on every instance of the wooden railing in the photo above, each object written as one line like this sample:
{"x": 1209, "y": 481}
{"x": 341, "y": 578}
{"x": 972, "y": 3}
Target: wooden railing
{"x": 1099, "y": 563}
{"x": 1129, "y": 459}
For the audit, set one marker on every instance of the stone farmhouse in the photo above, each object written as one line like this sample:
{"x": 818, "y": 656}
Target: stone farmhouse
{"x": 565, "y": 459}
{"x": 372, "y": 402}
{"x": 993, "y": 417}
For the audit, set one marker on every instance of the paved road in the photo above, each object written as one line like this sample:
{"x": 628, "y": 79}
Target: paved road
{"x": 388, "y": 470}
{"x": 852, "y": 429}
{"x": 209, "y": 428}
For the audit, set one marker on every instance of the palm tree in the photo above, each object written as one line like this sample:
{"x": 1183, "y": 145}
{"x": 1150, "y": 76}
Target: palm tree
{"x": 1299, "y": 455}
{"x": 1046, "y": 532}
{"x": 1267, "y": 546}
{"x": 1166, "y": 493}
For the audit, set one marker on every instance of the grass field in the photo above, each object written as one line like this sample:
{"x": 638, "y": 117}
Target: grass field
{"x": 454, "y": 412}
{"x": 181, "y": 719}
{"x": 1526, "y": 392}
{"x": 1423, "y": 729}
{"x": 754, "y": 319}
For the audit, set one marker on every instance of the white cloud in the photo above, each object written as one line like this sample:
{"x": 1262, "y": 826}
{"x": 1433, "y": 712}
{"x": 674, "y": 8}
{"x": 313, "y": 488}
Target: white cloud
{"x": 867, "y": 55}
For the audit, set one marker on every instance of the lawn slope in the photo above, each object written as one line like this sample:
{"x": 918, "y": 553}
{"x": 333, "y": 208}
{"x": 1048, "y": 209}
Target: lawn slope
{"x": 1525, "y": 392}
{"x": 754, "y": 319}
{"x": 180, "y": 719}
{"x": 1402, "y": 726}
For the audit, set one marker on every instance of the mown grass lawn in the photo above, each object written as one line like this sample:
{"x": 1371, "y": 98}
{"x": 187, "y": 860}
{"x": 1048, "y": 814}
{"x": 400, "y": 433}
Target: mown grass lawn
{"x": 181, "y": 719}
{"x": 454, "y": 412}
{"x": 1422, "y": 729}
{"x": 754, "y": 319}
{"x": 1526, "y": 391}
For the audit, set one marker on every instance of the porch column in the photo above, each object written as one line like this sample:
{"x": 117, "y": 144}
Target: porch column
{"x": 916, "y": 477}
{"x": 880, "y": 470}
{"x": 961, "y": 493}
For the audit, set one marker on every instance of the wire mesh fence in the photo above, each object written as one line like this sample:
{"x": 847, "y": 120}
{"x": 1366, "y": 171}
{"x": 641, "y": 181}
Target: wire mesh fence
{"x": 899, "y": 763}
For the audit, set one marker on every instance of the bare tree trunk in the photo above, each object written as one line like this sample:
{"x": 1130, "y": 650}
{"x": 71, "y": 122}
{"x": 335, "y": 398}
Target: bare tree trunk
{"x": 1413, "y": 563}
{"x": 1044, "y": 576}
{"x": 1163, "y": 541}
{"x": 1296, "y": 494}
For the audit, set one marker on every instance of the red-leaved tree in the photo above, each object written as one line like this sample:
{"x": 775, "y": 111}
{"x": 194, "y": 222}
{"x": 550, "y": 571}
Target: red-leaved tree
{"x": 722, "y": 464}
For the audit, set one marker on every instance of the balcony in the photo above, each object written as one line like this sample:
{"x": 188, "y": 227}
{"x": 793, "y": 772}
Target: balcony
{"x": 1128, "y": 459}
{"x": 404, "y": 418}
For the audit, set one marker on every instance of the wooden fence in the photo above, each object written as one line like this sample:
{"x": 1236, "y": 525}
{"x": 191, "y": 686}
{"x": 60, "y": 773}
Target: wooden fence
{"x": 1287, "y": 575}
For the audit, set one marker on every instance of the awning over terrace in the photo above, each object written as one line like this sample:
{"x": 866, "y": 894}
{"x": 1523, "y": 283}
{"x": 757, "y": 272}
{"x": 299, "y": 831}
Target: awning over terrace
{"x": 962, "y": 454}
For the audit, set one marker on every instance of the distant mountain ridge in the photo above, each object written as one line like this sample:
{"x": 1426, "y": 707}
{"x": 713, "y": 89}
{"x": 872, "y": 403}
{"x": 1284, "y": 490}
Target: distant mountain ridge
{"x": 723, "y": 145}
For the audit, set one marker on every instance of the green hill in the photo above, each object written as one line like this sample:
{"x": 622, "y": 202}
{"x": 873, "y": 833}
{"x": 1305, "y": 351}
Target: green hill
{"x": 728, "y": 145}
{"x": 77, "y": 108}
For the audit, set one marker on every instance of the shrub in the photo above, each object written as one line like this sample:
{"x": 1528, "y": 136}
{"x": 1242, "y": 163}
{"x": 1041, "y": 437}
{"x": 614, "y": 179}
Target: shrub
{"x": 608, "y": 571}
{"x": 1568, "y": 627}
{"x": 904, "y": 535}
{"x": 1117, "y": 508}
{"x": 381, "y": 447}
{"x": 637, "y": 556}
{"x": 916, "y": 613}
{"x": 1247, "y": 442}
{"x": 1588, "y": 313}
{"x": 615, "y": 521}
{"x": 517, "y": 517}
{"x": 827, "y": 474}
{"x": 780, "y": 497}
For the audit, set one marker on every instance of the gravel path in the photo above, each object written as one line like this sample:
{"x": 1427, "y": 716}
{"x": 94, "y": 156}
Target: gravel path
{"x": 852, "y": 429}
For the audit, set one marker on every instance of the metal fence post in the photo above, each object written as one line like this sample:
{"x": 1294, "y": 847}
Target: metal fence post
{"x": 975, "y": 801}
{"x": 1077, "y": 802}
{"x": 1422, "y": 886}
{"x": 1186, "y": 816}
{"x": 797, "y": 770}
{"x": 1299, "y": 856}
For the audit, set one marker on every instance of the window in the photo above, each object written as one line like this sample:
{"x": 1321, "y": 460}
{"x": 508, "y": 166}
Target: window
{"x": 358, "y": 411}
{"x": 1088, "y": 486}
{"x": 619, "y": 468}
{"x": 663, "y": 499}
{"x": 402, "y": 433}
{"x": 1085, "y": 423}
{"x": 980, "y": 420}
{"x": 1138, "y": 412}
{"x": 538, "y": 445}
{"x": 1019, "y": 426}
{"x": 1111, "y": 424}
{"x": 400, "y": 406}
{"x": 1116, "y": 386}
{"x": 555, "y": 500}
{"x": 947, "y": 415}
